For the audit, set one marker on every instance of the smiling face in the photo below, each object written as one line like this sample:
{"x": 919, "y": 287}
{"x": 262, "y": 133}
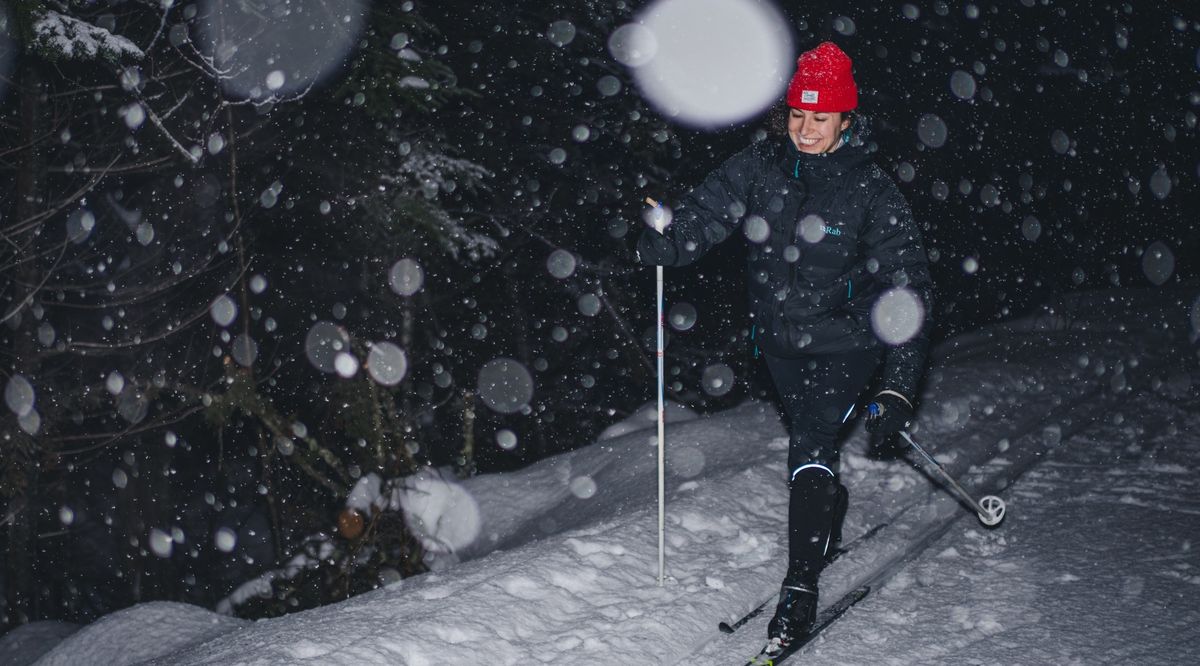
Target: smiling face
{"x": 815, "y": 132}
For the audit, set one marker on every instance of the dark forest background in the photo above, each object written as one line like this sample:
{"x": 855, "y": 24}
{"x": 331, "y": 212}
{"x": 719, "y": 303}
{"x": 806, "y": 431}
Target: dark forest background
{"x": 209, "y": 336}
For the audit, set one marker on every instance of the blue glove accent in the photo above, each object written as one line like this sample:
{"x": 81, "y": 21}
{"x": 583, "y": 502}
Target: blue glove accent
{"x": 888, "y": 414}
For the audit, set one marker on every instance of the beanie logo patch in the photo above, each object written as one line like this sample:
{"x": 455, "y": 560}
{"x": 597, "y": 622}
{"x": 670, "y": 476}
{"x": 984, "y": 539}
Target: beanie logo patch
{"x": 809, "y": 96}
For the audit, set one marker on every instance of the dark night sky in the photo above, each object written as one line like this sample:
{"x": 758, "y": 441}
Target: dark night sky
{"x": 1076, "y": 108}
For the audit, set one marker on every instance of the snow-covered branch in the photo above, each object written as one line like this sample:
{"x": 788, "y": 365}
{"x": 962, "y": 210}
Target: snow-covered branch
{"x": 317, "y": 548}
{"x": 423, "y": 175}
{"x": 56, "y": 35}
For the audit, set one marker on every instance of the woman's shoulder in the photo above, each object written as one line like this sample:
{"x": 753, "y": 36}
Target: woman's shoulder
{"x": 872, "y": 177}
{"x": 872, "y": 172}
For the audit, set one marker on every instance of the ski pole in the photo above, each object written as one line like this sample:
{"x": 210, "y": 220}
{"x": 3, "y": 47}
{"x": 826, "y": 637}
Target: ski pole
{"x": 661, "y": 411}
{"x": 990, "y": 509}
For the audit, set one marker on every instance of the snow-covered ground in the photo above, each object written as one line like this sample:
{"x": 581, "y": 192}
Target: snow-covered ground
{"x": 1086, "y": 409}
{"x": 1098, "y": 562}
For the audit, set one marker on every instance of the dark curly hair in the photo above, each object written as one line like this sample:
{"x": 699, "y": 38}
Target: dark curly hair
{"x": 777, "y": 119}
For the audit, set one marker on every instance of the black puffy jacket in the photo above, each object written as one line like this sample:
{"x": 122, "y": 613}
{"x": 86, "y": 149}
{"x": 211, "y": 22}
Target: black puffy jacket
{"x": 829, "y": 234}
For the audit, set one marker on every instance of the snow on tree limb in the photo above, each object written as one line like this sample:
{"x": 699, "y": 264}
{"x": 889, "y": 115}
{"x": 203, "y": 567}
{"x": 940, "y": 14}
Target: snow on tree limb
{"x": 421, "y": 176}
{"x": 317, "y": 548}
{"x": 56, "y": 35}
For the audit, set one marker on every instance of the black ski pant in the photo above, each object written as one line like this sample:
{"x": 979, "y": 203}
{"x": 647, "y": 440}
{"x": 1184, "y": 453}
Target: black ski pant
{"x": 818, "y": 393}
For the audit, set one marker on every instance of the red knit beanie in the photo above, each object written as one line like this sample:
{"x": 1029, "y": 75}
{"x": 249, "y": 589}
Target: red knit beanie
{"x": 823, "y": 81}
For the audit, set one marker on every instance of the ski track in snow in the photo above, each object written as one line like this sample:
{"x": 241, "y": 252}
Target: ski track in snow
{"x": 1095, "y": 389}
{"x": 1080, "y": 574}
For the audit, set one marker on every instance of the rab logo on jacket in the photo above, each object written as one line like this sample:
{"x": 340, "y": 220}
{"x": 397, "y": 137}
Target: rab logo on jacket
{"x": 832, "y": 231}
{"x": 809, "y": 96}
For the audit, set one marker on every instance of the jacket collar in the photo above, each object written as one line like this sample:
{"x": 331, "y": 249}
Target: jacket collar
{"x": 827, "y": 166}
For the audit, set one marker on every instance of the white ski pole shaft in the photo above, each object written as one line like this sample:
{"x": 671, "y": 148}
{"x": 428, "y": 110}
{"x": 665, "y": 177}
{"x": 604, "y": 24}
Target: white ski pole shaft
{"x": 990, "y": 508}
{"x": 661, "y": 439}
{"x": 661, "y": 426}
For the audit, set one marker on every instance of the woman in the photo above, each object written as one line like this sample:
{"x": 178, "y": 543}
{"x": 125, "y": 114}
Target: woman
{"x": 830, "y": 233}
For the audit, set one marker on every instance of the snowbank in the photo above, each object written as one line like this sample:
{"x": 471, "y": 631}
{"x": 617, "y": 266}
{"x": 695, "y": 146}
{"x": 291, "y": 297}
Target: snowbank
{"x": 647, "y": 417}
{"x": 139, "y": 634}
{"x": 28, "y": 642}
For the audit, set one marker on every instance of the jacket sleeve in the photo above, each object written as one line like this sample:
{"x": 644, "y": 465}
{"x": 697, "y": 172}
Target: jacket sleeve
{"x": 893, "y": 240}
{"x": 705, "y": 216}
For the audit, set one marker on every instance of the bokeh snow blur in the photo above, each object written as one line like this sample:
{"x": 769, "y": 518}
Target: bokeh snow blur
{"x": 707, "y": 63}
{"x": 19, "y": 395}
{"x": 324, "y": 342}
{"x": 223, "y": 310}
{"x": 897, "y": 316}
{"x": 505, "y": 385}
{"x": 812, "y": 228}
{"x": 387, "y": 363}
{"x": 244, "y": 350}
{"x": 1158, "y": 263}
{"x": 962, "y": 84}
{"x": 406, "y": 277}
{"x": 682, "y": 316}
{"x": 932, "y": 130}
{"x": 561, "y": 264}
{"x": 717, "y": 379}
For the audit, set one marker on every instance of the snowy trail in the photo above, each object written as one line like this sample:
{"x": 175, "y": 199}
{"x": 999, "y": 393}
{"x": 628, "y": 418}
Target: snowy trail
{"x": 1097, "y": 564}
{"x": 916, "y": 526}
{"x": 556, "y": 574}
{"x": 1084, "y": 363}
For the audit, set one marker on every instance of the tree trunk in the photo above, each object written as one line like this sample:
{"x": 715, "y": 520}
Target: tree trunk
{"x": 20, "y": 485}
{"x": 407, "y": 423}
{"x": 467, "y": 467}
{"x": 524, "y": 354}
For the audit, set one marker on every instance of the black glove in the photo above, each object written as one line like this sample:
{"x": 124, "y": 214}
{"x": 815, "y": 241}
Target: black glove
{"x": 889, "y": 413}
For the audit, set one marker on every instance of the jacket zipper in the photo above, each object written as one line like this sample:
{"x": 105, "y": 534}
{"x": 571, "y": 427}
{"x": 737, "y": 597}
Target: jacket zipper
{"x": 791, "y": 283}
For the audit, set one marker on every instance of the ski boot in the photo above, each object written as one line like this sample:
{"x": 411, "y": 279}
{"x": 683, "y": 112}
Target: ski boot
{"x": 794, "y": 615}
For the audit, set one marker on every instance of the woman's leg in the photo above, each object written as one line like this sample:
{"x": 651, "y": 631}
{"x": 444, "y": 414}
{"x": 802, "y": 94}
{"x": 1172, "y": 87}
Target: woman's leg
{"x": 818, "y": 394}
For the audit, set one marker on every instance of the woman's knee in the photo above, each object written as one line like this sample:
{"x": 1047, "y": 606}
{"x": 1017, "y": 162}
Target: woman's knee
{"x": 810, "y": 474}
